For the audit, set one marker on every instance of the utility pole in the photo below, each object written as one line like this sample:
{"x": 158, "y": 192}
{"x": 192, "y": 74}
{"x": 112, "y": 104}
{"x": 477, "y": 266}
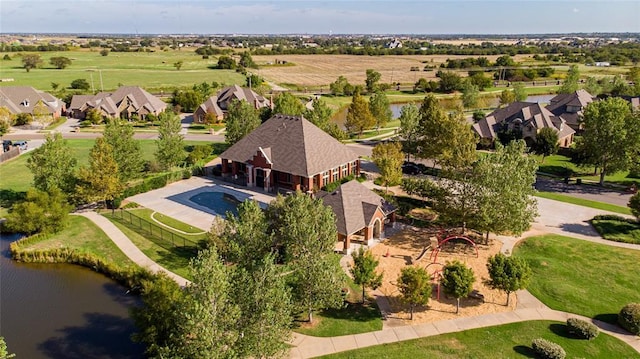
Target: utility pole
{"x": 101, "y": 87}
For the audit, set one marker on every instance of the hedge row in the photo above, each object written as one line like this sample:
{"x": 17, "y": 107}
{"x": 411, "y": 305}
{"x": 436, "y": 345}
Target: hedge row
{"x": 548, "y": 350}
{"x": 130, "y": 277}
{"x": 582, "y": 329}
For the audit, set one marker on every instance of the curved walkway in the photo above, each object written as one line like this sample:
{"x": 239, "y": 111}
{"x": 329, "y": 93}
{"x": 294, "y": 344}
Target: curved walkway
{"x": 128, "y": 248}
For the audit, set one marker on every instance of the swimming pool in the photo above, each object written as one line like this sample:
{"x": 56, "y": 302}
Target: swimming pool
{"x": 218, "y": 202}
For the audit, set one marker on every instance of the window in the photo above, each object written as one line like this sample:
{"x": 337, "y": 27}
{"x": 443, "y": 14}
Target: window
{"x": 345, "y": 171}
{"x": 354, "y": 167}
{"x": 336, "y": 174}
{"x": 325, "y": 177}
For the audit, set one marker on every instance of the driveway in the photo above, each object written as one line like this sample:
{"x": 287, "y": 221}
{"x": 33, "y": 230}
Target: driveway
{"x": 584, "y": 191}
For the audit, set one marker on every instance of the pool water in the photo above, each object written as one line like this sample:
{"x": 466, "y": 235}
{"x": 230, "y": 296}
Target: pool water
{"x": 217, "y": 202}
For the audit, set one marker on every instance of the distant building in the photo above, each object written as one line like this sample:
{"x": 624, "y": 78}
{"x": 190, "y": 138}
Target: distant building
{"x": 23, "y": 99}
{"x": 125, "y": 102}
{"x": 394, "y": 44}
{"x": 525, "y": 118}
{"x": 218, "y": 104}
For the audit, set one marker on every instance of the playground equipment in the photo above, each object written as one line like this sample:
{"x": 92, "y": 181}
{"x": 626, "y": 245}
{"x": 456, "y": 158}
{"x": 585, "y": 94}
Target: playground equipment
{"x": 434, "y": 254}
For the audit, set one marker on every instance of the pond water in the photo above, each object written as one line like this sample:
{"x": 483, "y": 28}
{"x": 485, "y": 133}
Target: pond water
{"x": 63, "y": 311}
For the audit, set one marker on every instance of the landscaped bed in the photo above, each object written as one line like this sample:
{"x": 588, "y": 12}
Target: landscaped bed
{"x": 504, "y": 341}
{"x": 616, "y": 228}
{"x": 581, "y": 277}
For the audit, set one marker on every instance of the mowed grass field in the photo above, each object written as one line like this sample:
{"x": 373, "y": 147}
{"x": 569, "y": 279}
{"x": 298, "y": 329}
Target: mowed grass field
{"x": 150, "y": 70}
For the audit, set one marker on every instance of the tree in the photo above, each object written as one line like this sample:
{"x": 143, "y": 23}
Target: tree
{"x": 7, "y": 119}
{"x": 372, "y": 79}
{"x": 41, "y": 114}
{"x": 359, "y": 117}
{"x": 320, "y": 115}
{"x": 449, "y": 81}
{"x": 409, "y": 130}
{"x": 4, "y": 353}
{"x": 247, "y": 61}
{"x": 388, "y": 158}
{"x": 178, "y": 65}
{"x": 23, "y": 119}
{"x": 570, "y": 84}
{"x": 431, "y": 127}
{"x": 480, "y": 80}
{"x": 226, "y": 63}
{"x": 31, "y": 61}
{"x": 610, "y": 122}
{"x": 52, "y": 165}
{"x": 364, "y": 271}
{"x": 241, "y": 119}
{"x": 470, "y": 93}
{"x": 126, "y": 150}
{"x": 104, "y": 52}
{"x": 508, "y": 274}
{"x": 634, "y": 205}
{"x": 457, "y": 281}
{"x": 99, "y": 181}
{"x": 170, "y": 151}
{"x": 546, "y": 142}
{"x": 306, "y": 233}
{"x": 592, "y": 86}
{"x": 60, "y": 62}
{"x": 287, "y": 104}
{"x": 40, "y": 212}
{"x": 379, "y": 108}
{"x": 94, "y": 116}
{"x": 337, "y": 87}
{"x": 80, "y": 84}
{"x": 264, "y": 301}
{"x": 189, "y": 100}
{"x": 507, "y": 97}
{"x": 519, "y": 91}
{"x": 414, "y": 283}
{"x": 246, "y": 236}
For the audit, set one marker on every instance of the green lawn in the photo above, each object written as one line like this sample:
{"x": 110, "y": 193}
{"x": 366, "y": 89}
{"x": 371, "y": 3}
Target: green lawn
{"x": 562, "y": 166}
{"x": 152, "y": 71}
{"x": 171, "y": 258}
{"x": 583, "y": 202}
{"x": 619, "y": 230}
{"x": 170, "y": 222}
{"x": 84, "y": 236}
{"x": 503, "y": 341}
{"x": 581, "y": 277}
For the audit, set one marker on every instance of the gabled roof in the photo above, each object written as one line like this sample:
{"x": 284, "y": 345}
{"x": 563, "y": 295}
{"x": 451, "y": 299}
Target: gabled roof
{"x": 354, "y": 206}
{"x": 23, "y": 99}
{"x": 558, "y": 105}
{"x": 295, "y": 146}
{"x": 211, "y": 105}
{"x": 139, "y": 98}
{"x": 110, "y": 101}
{"x": 235, "y": 92}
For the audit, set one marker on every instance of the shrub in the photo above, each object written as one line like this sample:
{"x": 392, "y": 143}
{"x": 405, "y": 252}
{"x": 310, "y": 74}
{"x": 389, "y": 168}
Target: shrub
{"x": 23, "y": 119}
{"x": 85, "y": 123}
{"x": 582, "y": 329}
{"x": 629, "y": 318}
{"x": 548, "y": 350}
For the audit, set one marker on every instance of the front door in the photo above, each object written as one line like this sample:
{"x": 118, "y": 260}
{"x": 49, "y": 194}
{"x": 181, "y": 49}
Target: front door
{"x": 259, "y": 177}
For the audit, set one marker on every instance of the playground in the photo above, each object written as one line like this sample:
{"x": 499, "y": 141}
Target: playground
{"x": 430, "y": 249}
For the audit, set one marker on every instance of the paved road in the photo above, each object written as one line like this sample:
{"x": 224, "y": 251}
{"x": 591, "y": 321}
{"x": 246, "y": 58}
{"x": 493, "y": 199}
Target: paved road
{"x": 585, "y": 191}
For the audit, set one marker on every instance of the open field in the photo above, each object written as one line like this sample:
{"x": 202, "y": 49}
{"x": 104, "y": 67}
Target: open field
{"x": 580, "y": 277}
{"x": 504, "y": 341}
{"x": 321, "y": 70}
{"x": 150, "y": 70}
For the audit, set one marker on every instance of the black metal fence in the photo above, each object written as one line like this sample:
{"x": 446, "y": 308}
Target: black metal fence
{"x": 153, "y": 229}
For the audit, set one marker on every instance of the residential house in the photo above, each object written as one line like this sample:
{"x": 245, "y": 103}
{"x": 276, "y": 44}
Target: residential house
{"x": 219, "y": 103}
{"x": 360, "y": 213}
{"x": 24, "y": 99}
{"x": 288, "y": 153}
{"x": 570, "y": 107}
{"x": 125, "y": 102}
{"x": 525, "y": 118}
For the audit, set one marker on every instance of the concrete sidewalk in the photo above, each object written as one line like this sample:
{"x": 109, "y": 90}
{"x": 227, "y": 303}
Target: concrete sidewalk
{"x": 128, "y": 248}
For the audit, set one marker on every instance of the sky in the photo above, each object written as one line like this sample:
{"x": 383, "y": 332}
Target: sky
{"x": 318, "y": 17}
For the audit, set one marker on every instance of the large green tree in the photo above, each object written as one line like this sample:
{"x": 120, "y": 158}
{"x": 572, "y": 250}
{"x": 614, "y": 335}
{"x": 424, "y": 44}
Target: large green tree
{"x": 31, "y": 61}
{"x": 99, "y": 181}
{"x": 359, "y": 117}
{"x": 364, "y": 270}
{"x": 507, "y": 97}
{"x": 246, "y": 238}
{"x": 339, "y": 86}
{"x": 53, "y": 165}
{"x": 41, "y": 211}
{"x": 414, "y": 283}
{"x": 241, "y": 119}
{"x": 457, "y": 281}
{"x": 60, "y": 62}
{"x": 519, "y": 91}
{"x": 610, "y": 122}
{"x": 431, "y": 124}
{"x": 7, "y": 119}
{"x": 170, "y": 143}
{"x": 570, "y": 84}
{"x": 388, "y": 158}
{"x": 470, "y": 94}
{"x": 126, "y": 149}
{"x": 320, "y": 115}
{"x": 458, "y": 142}
{"x": 449, "y": 81}
{"x": 508, "y": 274}
{"x": 287, "y": 104}
{"x": 371, "y": 81}
{"x": 546, "y": 142}
{"x": 409, "y": 130}
{"x": 379, "y": 108}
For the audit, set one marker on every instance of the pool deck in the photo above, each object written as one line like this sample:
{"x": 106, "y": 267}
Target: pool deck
{"x": 173, "y": 200}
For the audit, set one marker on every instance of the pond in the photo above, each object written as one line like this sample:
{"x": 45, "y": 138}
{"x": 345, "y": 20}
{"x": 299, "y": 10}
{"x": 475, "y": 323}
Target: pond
{"x": 63, "y": 311}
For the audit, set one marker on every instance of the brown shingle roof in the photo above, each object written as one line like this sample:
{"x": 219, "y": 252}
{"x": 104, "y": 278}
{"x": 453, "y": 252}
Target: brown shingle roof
{"x": 354, "y": 206}
{"x": 22, "y": 99}
{"x": 211, "y": 105}
{"x": 109, "y": 102}
{"x": 295, "y": 146}
{"x": 235, "y": 92}
{"x": 558, "y": 105}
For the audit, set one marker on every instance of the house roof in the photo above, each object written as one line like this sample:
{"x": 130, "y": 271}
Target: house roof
{"x": 294, "y": 145}
{"x": 354, "y": 206}
{"x": 23, "y": 99}
{"x": 528, "y": 113}
{"x": 110, "y": 101}
{"x": 558, "y": 105}
{"x": 236, "y": 92}
{"x": 211, "y": 105}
